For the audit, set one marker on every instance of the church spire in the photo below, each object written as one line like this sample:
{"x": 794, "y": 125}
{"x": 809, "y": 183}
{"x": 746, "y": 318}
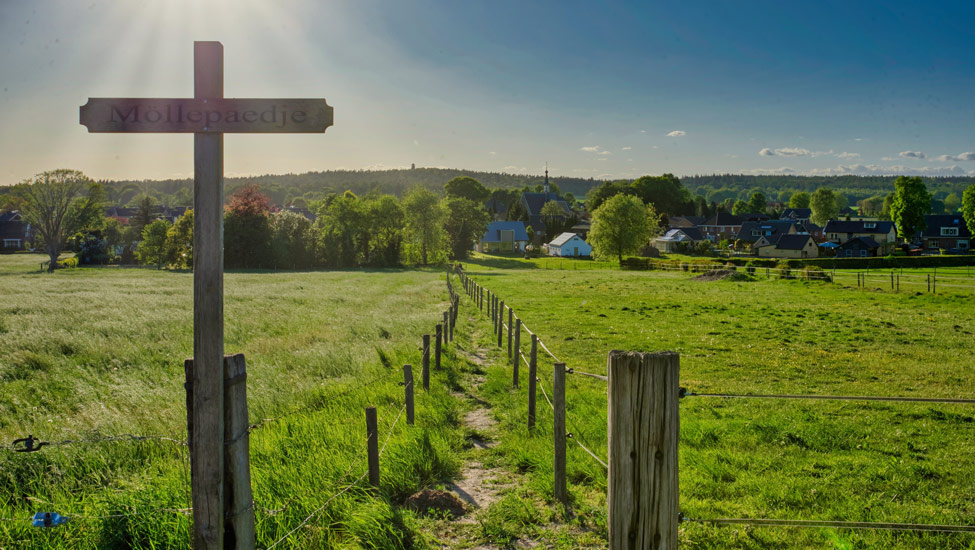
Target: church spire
{"x": 546, "y": 177}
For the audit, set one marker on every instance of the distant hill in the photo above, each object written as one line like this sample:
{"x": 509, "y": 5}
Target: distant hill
{"x": 284, "y": 188}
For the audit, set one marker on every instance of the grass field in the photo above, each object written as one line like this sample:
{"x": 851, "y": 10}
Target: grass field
{"x": 745, "y": 458}
{"x": 90, "y": 353}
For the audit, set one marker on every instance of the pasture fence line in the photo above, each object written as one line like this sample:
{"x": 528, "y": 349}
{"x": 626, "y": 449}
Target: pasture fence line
{"x": 643, "y": 395}
{"x": 238, "y": 499}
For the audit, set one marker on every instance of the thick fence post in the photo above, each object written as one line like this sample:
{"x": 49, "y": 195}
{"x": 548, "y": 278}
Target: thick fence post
{"x": 532, "y": 381}
{"x": 371, "y": 433}
{"x": 237, "y": 494}
{"x": 558, "y": 400}
{"x": 408, "y": 388}
{"x": 437, "y": 347}
{"x": 501, "y": 323}
{"x": 511, "y": 329}
{"x": 929, "y": 282}
{"x": 516, "y": 358}
{"x": 426, "y": 362}
{"x": 643, "y": 432}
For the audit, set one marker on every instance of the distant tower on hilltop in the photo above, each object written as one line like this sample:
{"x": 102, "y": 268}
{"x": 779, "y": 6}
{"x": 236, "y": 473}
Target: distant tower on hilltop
{"x": 547, "y": 189}
{"x": 413, "y": 166}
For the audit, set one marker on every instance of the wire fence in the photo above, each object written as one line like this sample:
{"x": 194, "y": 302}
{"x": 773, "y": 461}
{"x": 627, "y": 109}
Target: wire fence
{"x": 683, "y": 392}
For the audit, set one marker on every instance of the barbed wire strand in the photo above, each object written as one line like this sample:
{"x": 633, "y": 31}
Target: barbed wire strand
{"x": 838, "y": 524}
{"x": 584, "y": 448}
{"x": 834, "y": 397}
{"x": 590, "y": 375}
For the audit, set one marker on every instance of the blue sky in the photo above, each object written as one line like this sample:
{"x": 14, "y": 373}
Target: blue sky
{"x": 605, "y": 90}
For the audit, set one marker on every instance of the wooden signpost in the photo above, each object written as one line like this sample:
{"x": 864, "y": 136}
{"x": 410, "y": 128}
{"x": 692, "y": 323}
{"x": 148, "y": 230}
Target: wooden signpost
{"x": 208, "y": 115}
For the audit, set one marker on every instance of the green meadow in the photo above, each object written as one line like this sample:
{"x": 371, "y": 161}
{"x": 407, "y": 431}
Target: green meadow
{"x": 95, "y": 353}
{"x": 756, "y": 458}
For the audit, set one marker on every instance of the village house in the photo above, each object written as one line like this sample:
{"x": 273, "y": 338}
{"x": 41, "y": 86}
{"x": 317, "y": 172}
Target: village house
{"x": 798, "y": 215}
{"x": 751, "y": 232}
{"x": 568, "y": 245}
{"x": 504, "y": 237}
{"x": 670, "y": 241}
{"x": 15, "y": 233}
{"x": 721, "y": 226}
{"x": 859, "y": 247}
{"x": 883, "y": 232}
{"x": 947, "y": 232}
{"x": 789, "y": 246}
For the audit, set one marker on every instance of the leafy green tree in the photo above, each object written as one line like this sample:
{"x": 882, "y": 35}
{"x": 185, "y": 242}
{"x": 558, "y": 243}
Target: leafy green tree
{"x": 143, "y": 214}
{"x": 758, "y": 203}
{"x": 872, "y": 206}
{"x": 152, "y": 247}
{"x": 112, "y": 232}
{"x": 466, "y": 187}
{"x": 621, "y": 225}
{"x": 597, "y": 195}
{"x": 937, "y": 206}
{"x": 58, "y": 204}
{"x": 842, "y": 201}
{"x": 885, "y": 209}
{"x": 465, "y": 223}
{"x": 823, "y": 205}
{"x": 799, "y": 200}
{"x": 968, "y": 207}
{"x": 666, "y": 193}
{"x": 555, "y": 218}
{"x": 952, "y": 203}
{"x": 910, "y": 203}
{"x": 740, "y": 207}
{"x": 292, "y": 240}
{"x": 179, "y": 242}
{"x": 784, "y": 196}
{"x": 424, "y": 225}
{"x": 340, "y": 222}
{"x": 246, "y": 229}
{"x": 387, "y": 220}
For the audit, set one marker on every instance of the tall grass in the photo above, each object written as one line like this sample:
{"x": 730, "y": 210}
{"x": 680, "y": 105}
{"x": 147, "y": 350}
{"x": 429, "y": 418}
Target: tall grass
{"x": 90, "y": 353}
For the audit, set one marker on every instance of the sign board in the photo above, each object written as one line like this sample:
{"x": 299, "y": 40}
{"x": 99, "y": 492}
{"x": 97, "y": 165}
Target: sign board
{"x": 217, "y": 115}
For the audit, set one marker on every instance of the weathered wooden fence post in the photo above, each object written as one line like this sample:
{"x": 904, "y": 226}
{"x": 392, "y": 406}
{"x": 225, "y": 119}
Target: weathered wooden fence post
{"x": 511, "y": 329}
{"x": 436, "y": 346}
{"x": 643, "y": 432}
{"x": 446, "y": 327}
{"x": 501, "y": 323}
{"x": 516, "y": 359}
{"x": 426, "y": 362}
{"x": 373, "y": 445}
{"x": 558, "y": 400}
{"x": 238, "y": 497}
{"x": 929, "y": 282}
{"x": 532, "y": 381}
{"x": 408, "y": 388}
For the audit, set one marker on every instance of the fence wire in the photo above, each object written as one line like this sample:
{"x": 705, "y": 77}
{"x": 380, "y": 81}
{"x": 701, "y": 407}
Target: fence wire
{"x": 838, "y": 524}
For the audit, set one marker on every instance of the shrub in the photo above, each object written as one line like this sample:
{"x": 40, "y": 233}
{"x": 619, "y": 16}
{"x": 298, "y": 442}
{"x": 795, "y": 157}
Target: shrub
{"x": 68, "y": 262}
{"x": 749, "y": 267}
{"x": 812, "y": 273}
{"x": 784, "y": 271}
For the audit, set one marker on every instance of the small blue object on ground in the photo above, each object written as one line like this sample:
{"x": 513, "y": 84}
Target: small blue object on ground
{"x": 49, "y": 519}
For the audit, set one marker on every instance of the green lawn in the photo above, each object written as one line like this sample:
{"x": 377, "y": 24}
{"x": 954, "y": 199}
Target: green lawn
{"x": 749, "y": 458}
{"x": 89, "y": 353}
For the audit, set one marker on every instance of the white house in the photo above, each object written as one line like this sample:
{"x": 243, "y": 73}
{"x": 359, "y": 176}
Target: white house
{"x": 568, "y": 245}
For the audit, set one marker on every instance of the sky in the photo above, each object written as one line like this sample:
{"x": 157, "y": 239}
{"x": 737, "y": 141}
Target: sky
{"x": 595, "y": 89}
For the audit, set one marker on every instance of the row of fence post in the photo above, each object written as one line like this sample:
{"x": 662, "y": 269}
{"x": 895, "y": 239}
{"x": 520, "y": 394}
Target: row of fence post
{"x": 642, "y": 432}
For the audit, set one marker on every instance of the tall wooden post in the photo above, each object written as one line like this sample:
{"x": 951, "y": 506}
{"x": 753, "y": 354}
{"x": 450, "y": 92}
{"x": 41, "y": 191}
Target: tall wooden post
{"x": 373, "y": 446}
{"x": 643, "y": 431}
{"x": 516, "y": 359}
{"x": 500, "y": 323}
{"x": 206, "y": 446}
{"x": 408, "y": 388}
{"x": 436, "y": 346}
{"x": 532, "y": 381}
{"x": 558, "y": 400}
{"x": 426, "y": 362}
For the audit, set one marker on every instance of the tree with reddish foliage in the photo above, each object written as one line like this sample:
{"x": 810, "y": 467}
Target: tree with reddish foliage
{"x": 247, "y": 229}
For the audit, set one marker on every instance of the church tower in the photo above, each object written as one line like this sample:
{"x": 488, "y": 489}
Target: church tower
{"x": 547, "y": 188}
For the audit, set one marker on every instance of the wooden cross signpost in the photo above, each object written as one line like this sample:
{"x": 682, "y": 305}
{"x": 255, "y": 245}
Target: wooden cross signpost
{"x": 208, "y": 115}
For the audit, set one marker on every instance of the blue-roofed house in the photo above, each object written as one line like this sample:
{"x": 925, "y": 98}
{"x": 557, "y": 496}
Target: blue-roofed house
{"x": 503, "y": 236}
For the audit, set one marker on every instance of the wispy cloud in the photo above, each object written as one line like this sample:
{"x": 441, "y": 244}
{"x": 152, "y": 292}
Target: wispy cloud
{"x": 911, "y": 154}
{"x": 493, "y": 153}
{"x": 604, "y": 153}
{"x": 889, "y": 170}
{"x": 785, "y": 152}
{"x": 677, "y": 133}
{"x": 591, "y": 148}
{"x": 957, "y": 158}
{"x": 627, "y": 148}
{"x": 766, "y": 152}
{"x": 782, "y": 171}
{"x": 845, "y": 155}
{"x": 643, "y": 131}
